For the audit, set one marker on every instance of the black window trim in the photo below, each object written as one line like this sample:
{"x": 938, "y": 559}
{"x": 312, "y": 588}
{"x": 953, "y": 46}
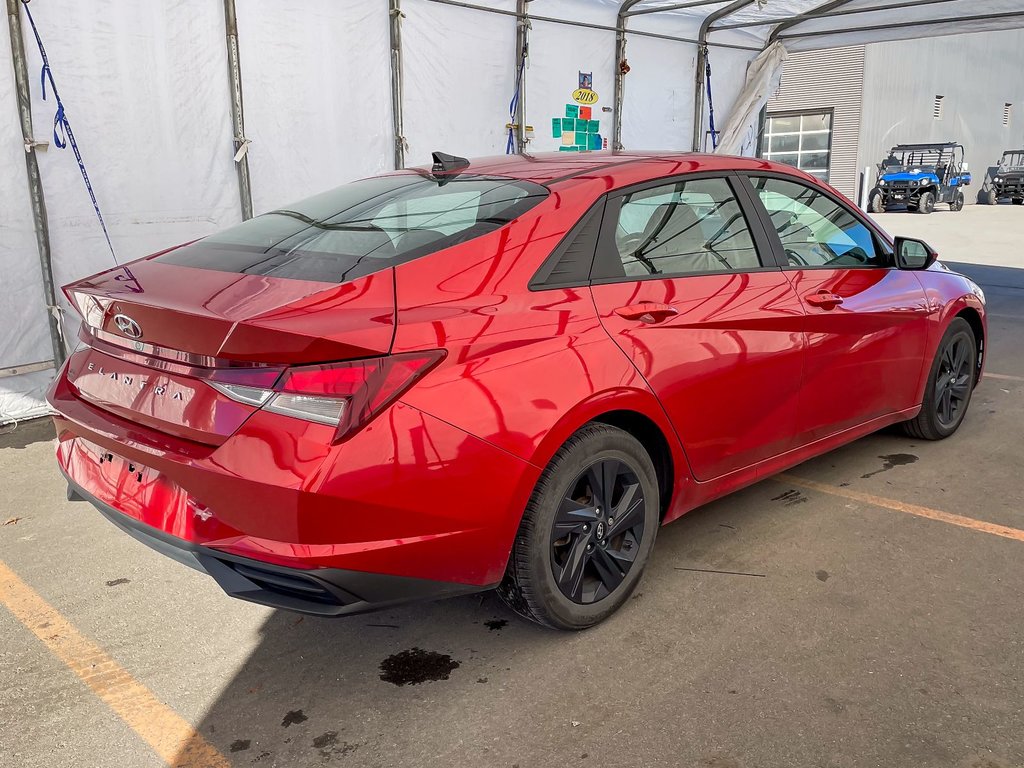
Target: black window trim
{"x": 882, "y": 242}
{"x": 539, "y": 281}
{"x": 608, "y": 257}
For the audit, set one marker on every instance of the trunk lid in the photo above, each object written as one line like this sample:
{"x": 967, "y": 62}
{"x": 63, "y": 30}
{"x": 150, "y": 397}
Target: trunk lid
{"x": 159, "y": 336}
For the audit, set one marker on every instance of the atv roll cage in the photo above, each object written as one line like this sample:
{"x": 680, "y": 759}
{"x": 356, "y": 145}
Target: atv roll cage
{"x": 921, "y": 175}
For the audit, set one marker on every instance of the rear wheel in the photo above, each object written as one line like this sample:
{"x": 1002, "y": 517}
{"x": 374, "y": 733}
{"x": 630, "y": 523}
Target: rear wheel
{"x": 1018, "y": 201}
{"x": 926, "y": 203}
{"x": 950, "y": 384}
{"x": 587, "y": 532}
{"x": 958, "y": 202}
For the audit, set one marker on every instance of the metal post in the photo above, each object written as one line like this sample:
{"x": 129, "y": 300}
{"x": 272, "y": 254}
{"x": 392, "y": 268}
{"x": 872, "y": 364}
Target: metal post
{"x": 235, "y": 79}
{"x": 395, "y": 17}
{"x": 620, "y": 75}
{"x": 522, "y": 48}
{"x": 702, "y": 60}
{"x": 35, "y": 183}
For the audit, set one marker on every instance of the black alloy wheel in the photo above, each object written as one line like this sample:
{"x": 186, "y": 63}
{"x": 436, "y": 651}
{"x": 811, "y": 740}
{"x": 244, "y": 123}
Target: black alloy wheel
{"x": 597, "y": 531}
{"x": 587, "y": 531}
{"x": 950, "y": 384}
{"x": 954, "y": 381}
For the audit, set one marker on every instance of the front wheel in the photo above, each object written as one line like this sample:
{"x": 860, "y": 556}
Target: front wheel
{"x": 587, "y": 531}
{"x": 1018, "y": 201}
{"x": 991, "y": 198}
{"x": 876, "y": 204}
{"x": 950, "y": 384}
{"x": 926, "y": 203}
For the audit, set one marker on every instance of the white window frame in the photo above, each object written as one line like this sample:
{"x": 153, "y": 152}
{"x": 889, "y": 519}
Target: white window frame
{"x": 800, "y": 152}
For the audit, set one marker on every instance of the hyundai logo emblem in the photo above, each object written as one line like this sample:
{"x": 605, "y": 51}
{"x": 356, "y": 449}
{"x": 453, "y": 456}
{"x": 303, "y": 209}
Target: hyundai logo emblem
{"x": 127, "y": 326}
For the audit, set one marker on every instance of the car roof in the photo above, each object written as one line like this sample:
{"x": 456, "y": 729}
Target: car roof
{"x": 557, "y": 168}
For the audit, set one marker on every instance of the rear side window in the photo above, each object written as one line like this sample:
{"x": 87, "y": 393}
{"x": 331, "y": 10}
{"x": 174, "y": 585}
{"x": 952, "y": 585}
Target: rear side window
{"x": 363, "y": 227}
{"x": 688, "y": 227}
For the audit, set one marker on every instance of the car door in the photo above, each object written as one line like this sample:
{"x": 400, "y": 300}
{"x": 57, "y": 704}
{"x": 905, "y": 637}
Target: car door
{"x": 685, "y": 282}
{"x": 866, "y": 321}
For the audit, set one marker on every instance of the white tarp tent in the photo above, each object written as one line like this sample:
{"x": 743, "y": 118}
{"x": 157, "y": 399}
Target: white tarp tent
{"x": 146, "y": 87}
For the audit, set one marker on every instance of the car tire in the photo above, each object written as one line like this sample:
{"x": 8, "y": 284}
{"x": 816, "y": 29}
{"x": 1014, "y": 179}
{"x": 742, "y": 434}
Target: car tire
{"x": 876, "y": 204}
{"x": 950, "y": 385}
{"x": 991, "y": 198}
{"x": 926, "y": 203}
{"x": 958, "y": 202}
{"x": 560, "y": 571}
{"x": 1018, "y": 201}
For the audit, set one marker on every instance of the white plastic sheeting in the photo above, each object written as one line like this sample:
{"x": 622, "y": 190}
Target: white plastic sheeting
{"x": 763, "y": 77}
{"x": 145, "y": 86}
{"x": 316, "y": 89}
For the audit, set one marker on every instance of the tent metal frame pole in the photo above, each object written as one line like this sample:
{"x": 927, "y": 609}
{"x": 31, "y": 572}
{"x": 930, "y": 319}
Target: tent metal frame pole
{"x": 237, "y": 113}
{"x": 902, "y": 25}
{"x": 522, "y": 47}
{"x": 620, "y": 75}
{"x": 35, "y": 182}
{"x": 589, "y": 25}
{"x": 824, "y": 14}
{"x": 395, "y": 17}
{"x": 674, "y": 7}
{"x": 826, "y": 8}
{"x": 702, "y": 58}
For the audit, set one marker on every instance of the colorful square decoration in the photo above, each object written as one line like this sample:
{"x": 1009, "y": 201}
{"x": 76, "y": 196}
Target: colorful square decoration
{"x": 584, "y": 113}
{"x": 556, "y": 127}
{"x": 568, "y": 124}
{"x": 572, "y": 110}
{"x": 595, "y": 141}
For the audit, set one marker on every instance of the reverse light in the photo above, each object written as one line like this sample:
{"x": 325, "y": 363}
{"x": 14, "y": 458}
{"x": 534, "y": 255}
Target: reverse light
{"x": 344, "y": 395}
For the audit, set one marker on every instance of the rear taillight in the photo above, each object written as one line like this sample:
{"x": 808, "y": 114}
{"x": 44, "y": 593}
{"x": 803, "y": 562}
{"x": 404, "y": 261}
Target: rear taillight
{"x": 344, "y": 395}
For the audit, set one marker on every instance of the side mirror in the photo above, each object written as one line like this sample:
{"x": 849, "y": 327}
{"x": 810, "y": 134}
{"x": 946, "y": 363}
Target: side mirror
{"x": 914, "y": 254}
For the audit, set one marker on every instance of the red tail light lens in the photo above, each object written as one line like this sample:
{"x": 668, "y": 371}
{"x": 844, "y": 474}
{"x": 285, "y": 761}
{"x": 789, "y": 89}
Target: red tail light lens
{"x": 349, "y": 394}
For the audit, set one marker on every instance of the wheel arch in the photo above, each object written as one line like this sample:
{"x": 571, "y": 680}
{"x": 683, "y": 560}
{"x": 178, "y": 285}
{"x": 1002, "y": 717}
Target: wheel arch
{"x": 638, "y": 413}
{"x": 973, "y": 318}
{"x": 654, "y": 441}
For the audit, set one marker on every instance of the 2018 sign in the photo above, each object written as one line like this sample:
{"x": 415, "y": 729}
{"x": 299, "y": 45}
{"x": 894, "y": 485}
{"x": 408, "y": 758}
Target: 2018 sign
{"x": 584, "y": 96}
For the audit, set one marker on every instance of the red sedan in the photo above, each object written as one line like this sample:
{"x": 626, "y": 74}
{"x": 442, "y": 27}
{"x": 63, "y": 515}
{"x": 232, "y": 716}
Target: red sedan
{"x": 504, "y": 373}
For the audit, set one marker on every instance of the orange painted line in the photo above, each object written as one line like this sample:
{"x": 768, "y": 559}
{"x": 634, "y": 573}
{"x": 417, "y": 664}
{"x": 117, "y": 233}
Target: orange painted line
{"x": 170, "y": 735}
{"x": 1001, "y": 377}
{"x": 911, "y": 509}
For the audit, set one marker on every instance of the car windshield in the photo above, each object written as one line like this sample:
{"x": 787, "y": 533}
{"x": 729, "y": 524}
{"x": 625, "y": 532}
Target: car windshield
{"x": 363, "y": 227}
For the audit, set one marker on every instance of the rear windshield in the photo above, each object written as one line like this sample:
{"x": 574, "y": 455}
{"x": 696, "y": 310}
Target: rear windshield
{"x": 363, "y": 227}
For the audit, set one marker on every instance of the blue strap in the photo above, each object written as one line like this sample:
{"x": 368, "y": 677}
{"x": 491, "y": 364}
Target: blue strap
{"x": 62, "y": 133}
{"x": 711, "y": 103}
{"x": 510, "y": 145}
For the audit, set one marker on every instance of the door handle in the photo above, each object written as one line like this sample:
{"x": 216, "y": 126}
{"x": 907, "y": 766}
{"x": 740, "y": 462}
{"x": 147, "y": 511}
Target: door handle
{"x": 647, "y": 312}
{"x": 824, "y": 299}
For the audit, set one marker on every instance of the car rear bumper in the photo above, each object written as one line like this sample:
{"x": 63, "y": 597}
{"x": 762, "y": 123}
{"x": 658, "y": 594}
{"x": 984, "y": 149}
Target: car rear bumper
{"x": 319, "y": 591}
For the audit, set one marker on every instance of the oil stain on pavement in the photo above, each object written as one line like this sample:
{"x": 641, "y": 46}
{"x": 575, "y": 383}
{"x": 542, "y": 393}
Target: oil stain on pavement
{"x": 416, "y": 666}
{"x": 891, "y": 461}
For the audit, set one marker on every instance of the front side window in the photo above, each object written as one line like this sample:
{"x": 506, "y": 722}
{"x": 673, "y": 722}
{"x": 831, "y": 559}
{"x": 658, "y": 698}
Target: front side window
{"x": 814, "y": 229}
{"x": 363, "y": 227}
{"x": 684, "y": 228}
{"x": 803, "y": 141}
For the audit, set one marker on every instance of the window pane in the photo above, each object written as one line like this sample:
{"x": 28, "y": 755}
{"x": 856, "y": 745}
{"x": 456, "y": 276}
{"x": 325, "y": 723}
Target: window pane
{"x": 786, "y": 143}
{"x": 683, "y": 228}
{"x": 814, "y": 161}
{"x": 813, "y": 141}
{"x": 814, "y": 230}
{"x": 784, "y": 124}
{"x": 792, "y": 158}
{"x": 817, "y": 122}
